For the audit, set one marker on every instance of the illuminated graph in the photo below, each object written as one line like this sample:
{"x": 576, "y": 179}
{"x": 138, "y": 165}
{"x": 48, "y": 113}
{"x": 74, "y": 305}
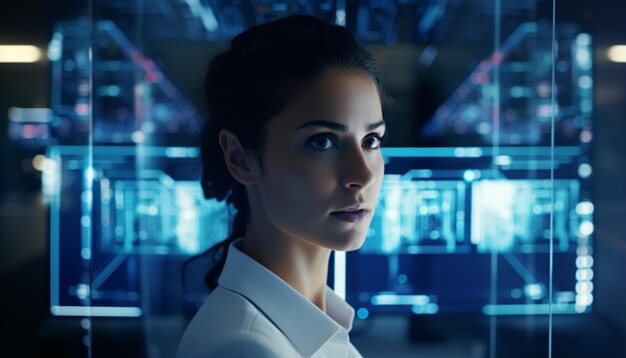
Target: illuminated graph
{"x": 514, "y": 215}
{"x": 114, "y": 217}
{"x": 418, "y": 217}
{"x": 133, "y": 99}
{"x": 443, "y": 212}
{"x": 524, "y": 92}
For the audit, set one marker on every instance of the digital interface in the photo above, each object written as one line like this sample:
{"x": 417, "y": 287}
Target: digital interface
{"x": 524, "y": 96}
{"x": 442, "y": 212}
{"x": 131, "y": 203}
{"x": 148, "y": 219}
{"x": 449, "y": 219}
{"x": 427, "y": 250}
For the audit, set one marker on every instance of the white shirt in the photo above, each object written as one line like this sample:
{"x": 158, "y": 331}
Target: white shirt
{"x": 254, "y": 313}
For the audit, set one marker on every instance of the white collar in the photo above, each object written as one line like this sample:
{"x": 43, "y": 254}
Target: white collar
{"x": 304, "y": 324}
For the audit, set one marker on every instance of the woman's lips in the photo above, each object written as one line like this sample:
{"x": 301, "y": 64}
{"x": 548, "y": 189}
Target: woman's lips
{"x": 351, "y": 216}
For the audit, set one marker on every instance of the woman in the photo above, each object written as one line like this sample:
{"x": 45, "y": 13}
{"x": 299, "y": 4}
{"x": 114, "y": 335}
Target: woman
{"x": 293, "y": 143}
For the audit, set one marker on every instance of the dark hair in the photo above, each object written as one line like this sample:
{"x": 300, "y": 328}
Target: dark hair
{"x": 252, "y": 82}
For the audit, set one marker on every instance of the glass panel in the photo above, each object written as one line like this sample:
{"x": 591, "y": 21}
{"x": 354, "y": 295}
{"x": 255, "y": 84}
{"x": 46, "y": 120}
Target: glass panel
{"x": 67, "y": 179}
{"x": 150, "y": 212}
{"x": 463, "y": 228}
{"x": 587, "y": 113}
{"x": 483, "y": 243}
{"x": 150, "y": 60}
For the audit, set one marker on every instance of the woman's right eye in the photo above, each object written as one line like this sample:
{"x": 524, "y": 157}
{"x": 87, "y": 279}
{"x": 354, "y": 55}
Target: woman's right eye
{"x": 321, "y": 142}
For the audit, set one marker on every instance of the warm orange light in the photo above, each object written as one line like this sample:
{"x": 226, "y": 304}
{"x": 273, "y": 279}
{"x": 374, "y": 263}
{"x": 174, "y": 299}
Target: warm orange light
{"x": 19, "y": 54}
{"x": 617, "y": 53}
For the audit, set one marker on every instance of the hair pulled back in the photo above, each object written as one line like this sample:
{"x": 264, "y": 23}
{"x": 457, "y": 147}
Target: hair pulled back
{"x": 252, "y": 82}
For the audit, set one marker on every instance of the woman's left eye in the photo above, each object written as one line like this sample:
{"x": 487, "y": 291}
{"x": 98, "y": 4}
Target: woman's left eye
{"x": 375, "y": 143}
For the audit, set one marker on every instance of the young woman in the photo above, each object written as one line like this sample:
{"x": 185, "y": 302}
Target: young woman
{"x": 293, "y": 143}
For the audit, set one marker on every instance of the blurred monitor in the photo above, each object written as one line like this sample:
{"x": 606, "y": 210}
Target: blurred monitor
{"x": 122, "y": 220}
{"x": 448, "y": 220}
{"x": 442, "y": 215}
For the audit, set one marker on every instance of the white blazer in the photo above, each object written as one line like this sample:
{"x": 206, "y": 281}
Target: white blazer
{"x": 254, "y": 313}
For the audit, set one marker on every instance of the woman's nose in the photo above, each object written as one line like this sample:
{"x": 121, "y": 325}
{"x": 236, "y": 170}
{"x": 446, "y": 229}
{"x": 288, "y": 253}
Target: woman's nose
{"x": 357, "y": 169}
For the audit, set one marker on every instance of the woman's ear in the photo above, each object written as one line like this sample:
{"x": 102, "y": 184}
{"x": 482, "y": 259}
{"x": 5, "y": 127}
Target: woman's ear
{"x": 241, "y": 165}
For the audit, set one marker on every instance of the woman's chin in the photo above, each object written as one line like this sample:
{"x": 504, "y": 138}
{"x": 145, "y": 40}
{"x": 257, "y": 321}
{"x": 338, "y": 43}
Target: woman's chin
{"x": 350, "y": 244}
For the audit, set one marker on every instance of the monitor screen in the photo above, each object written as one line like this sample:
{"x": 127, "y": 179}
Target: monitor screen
{"x": 122, "y": 220}
{"x": 442, "y": 216}
{"x": 447, "y": 220}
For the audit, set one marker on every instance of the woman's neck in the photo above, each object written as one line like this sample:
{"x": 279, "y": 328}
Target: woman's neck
{"x": 303, "y": 265}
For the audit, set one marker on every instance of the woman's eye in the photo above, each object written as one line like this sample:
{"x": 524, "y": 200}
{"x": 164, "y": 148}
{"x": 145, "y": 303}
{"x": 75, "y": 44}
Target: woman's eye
{"x": 378, "y": 140}
{"x": 325, "y": 141}
{"x": 373, "y": 142}
{"x": 321, "y": 142}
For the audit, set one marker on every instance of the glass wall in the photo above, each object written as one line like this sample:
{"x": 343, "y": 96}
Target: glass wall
{"x": 484, "y": 240}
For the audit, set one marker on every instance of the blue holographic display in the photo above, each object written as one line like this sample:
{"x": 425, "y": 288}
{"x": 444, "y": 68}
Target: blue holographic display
{"x": 144, "y": 219}
{"x": 443, "y": 211}
{"x": 132, "y": 203}
{"x": 427, "y": 249}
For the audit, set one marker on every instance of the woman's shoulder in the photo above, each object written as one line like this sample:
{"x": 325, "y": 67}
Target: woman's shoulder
{"x": 247, "y": 344}
{"x": 224, "y": 310}
{"x": 240, "y": 344}
{"x": 228, "y": 325}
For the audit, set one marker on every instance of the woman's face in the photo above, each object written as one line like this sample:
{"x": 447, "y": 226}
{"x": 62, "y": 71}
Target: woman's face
{"x": 322, "y": 155}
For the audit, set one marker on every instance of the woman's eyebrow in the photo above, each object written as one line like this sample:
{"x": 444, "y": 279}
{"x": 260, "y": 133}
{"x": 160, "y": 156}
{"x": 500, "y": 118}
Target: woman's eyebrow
{"x": 337, "y": 126}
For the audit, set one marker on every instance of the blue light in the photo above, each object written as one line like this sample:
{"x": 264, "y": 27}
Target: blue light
{"x": 204, "y": 13}
{"x": 584, "y": 170}
{"x": 534, "y": 291}
{"x": 392, "y": 299}
{"x": 583, "y": 58}
{"x": 55, "y": 47}
{"x": 586, "y": 105}
{"x": 176, "y": 152}
{"x": 468, "y": 152}
{"x": 585, "y": 82}
{"x": 69, "y": 65}
{"x": 362, "y": 313}
{"x": 112, "y": 91}
{"x": 279, "y": 7}
{"x": 583, "y": 39}
{"x": 85, "y": 221}
{"x": 340, "y": 17}
{"x": 469, "y": 175}
{"x": 502, "y": 160}
{"x": 95, "y": 311}
{"x": 534, "y": 309}
{"x": 431, "y": 308}
{"x": 340, "y": 274}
